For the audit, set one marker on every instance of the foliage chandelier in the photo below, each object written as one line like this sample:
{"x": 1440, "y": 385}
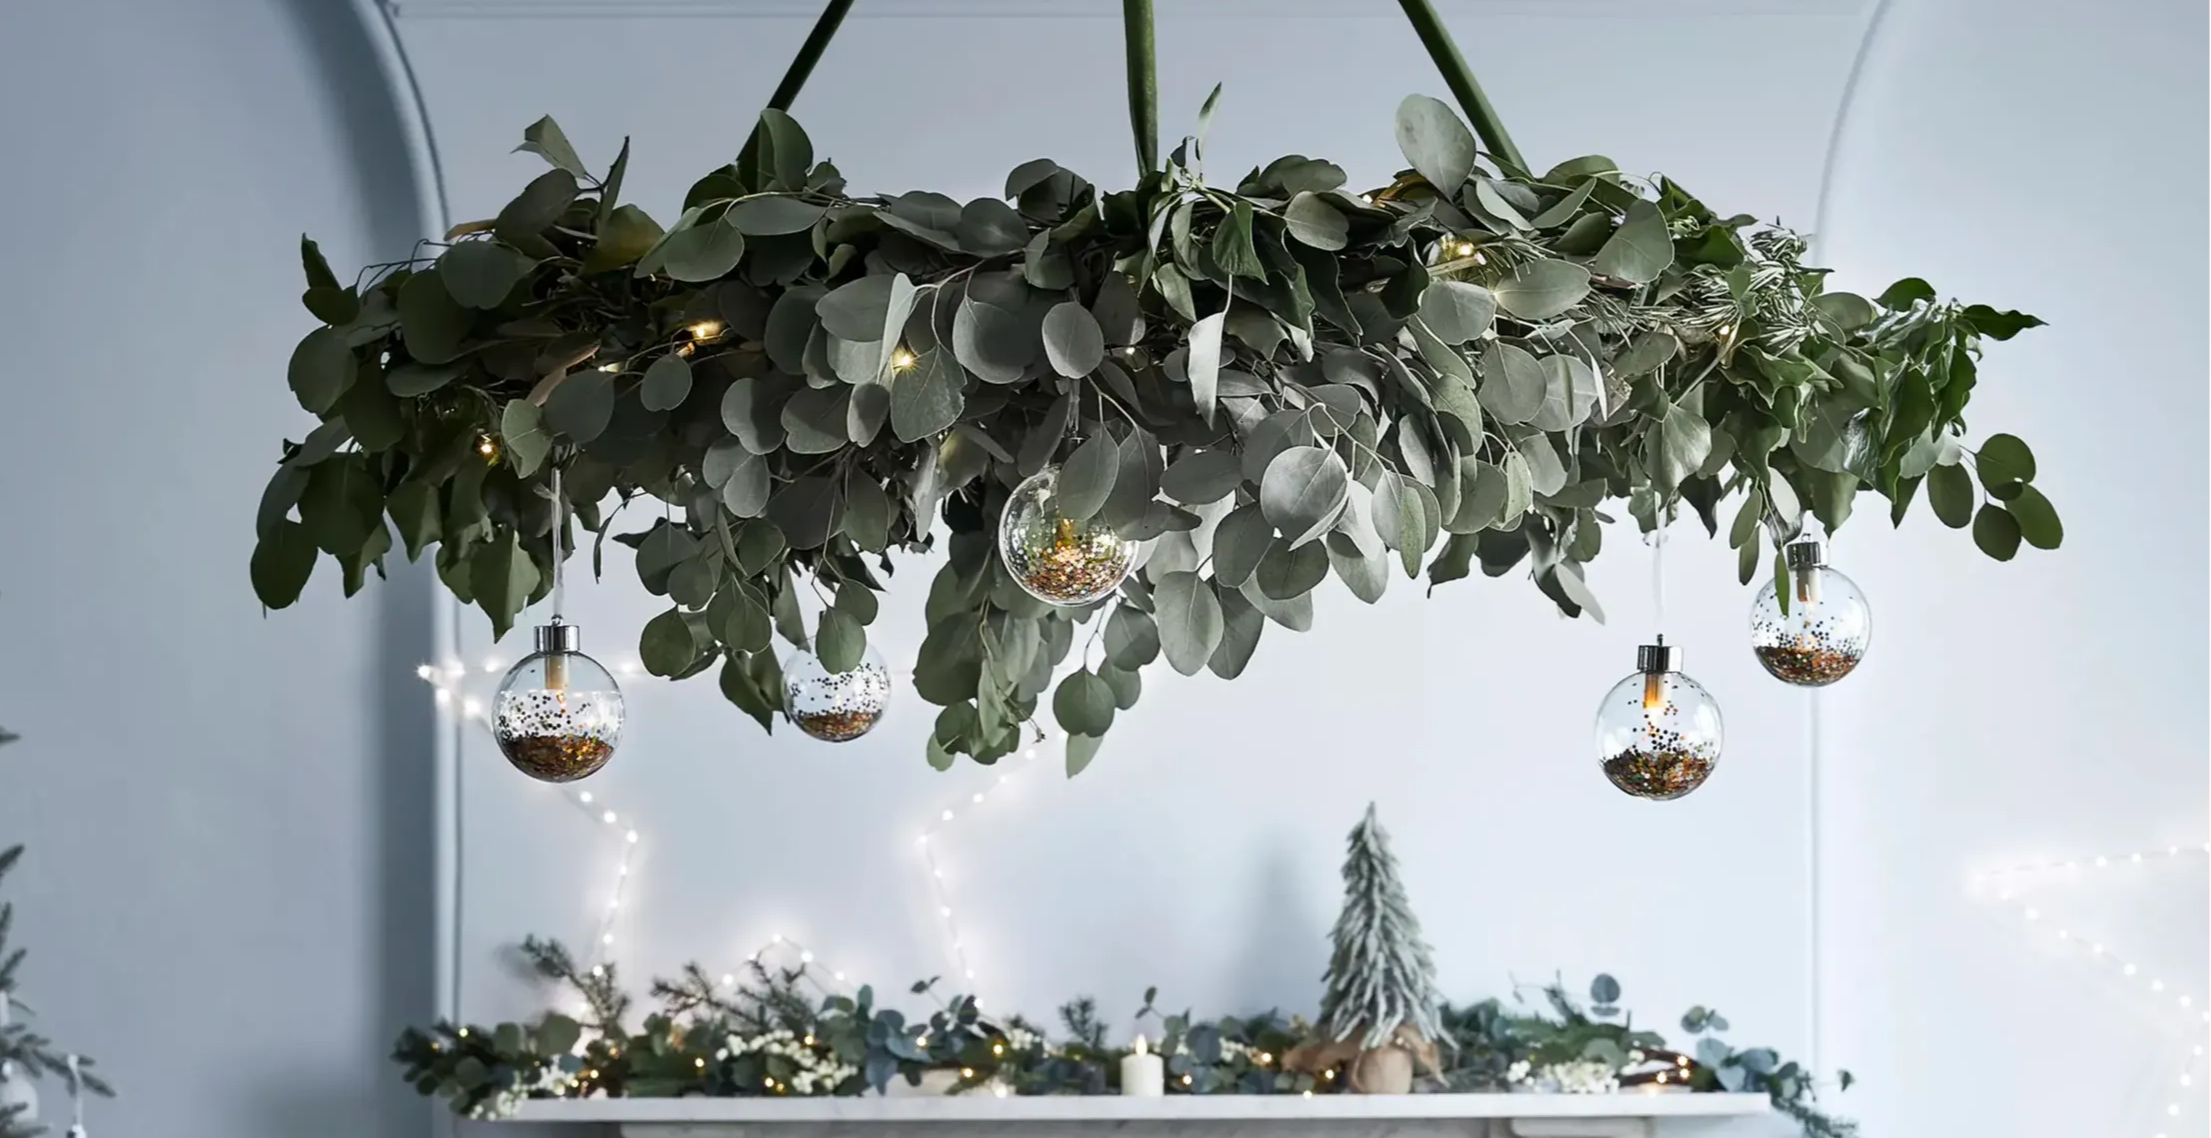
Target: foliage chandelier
{"x": 1271, "y": 384}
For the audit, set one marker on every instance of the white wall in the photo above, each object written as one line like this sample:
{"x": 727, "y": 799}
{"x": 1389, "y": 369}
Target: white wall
{"x": 230, "y": 818}
{"x": 2048, "y": 157}
{"x": 225, "y": 897}
{"x": 1200, "y": 853}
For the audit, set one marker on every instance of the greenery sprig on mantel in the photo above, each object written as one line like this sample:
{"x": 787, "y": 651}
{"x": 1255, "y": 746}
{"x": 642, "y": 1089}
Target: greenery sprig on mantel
{"x": 767, "y": 1035}
{"x": 1275, "y": 382}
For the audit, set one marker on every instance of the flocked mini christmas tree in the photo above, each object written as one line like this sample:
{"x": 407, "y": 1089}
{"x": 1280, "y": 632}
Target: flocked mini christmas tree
{"x": 1381, "y": 980}
{"x": 26, "y": 1055}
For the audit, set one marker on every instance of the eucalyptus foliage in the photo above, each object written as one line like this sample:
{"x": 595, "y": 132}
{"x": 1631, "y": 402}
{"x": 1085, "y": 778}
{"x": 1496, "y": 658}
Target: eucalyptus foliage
{"x": 1274, "y": 383}
{"x": 684, "y": 1047}
{"x": 1492, "y": 1041}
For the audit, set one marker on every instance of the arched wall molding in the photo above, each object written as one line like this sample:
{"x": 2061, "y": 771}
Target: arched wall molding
{"x": 1815, "y": 869}
{"x": 426, "y": 173}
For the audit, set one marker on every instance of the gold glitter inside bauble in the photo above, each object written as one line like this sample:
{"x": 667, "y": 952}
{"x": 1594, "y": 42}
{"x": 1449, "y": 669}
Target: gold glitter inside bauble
{"x": 558, "y": 716}
{"x": 1821, "y": 638}
{"x": 1054, "y": 558}
{"x": 1658, "y": 735}
{"x": 835, "y": 707}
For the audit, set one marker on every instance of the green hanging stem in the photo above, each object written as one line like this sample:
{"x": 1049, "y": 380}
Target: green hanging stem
{"x": 809, "y": 53}
{"x": 1143, "y": 60}
{"x": 1457, "y": 76}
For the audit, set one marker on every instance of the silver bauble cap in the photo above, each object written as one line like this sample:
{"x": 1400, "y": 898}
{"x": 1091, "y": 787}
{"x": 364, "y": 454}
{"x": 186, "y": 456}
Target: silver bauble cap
{"x": 559, "y": 636}
{"x": 1654, "y": 659}
{"x": 1807, "y": 554}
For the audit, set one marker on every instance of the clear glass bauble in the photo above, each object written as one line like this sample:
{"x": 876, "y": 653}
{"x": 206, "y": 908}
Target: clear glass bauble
{"x": 558, "y": 716}
{"x": 1821, "y": 638}
{"x": 1058, "y": 560}
{"x": 836, "y": 707}
{"x": 1658, "y": 735}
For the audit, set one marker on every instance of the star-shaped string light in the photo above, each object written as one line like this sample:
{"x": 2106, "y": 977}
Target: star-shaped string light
{"x": 2012, "y": 889}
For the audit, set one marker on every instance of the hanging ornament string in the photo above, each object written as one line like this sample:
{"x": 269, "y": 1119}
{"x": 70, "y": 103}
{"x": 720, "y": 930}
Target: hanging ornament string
{"x": 76, "y": 1099}
{"x": 560, "y": 526}
{"x": 1658, "y": 576}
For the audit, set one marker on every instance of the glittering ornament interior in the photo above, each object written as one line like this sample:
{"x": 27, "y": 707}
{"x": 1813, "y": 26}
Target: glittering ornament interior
{"x": 835, "y": 707}
{"x": 1824, "y": 634}
{"x": 1058, "y": 560}
{"x": 1658, "y": 734}
{"x": 559, "y": 714}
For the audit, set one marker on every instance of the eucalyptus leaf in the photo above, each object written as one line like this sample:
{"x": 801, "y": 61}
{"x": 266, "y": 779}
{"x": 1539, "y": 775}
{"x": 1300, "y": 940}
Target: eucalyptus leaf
{"x": 1950, "y": 495}
{"x": 773, "y": 214}
{"x": 1316, "y": 223}
{"x": 1086, "y": 479}
{"x": 1241, "y": 625}
{"x": 1639, "y": 250}
{"x": 2037, "y": 519}
{"x": 1131, "y": 638}
{"x": 545, "y": 139}
{"x": 628, "y": 234}
{"x": 522, "y": 432}
{"x": 995, "y": 344}
{"x": 668, "y": 646}
{"x": 322, "y": 368}
{"x": 1083, "y": 705}
{"x": 283, "y": 560}
{"x": 840, "y": 642}
{"x": 1239, "y": 541}
{"x": 1073, "y": 342}
{"x": 1996, "y": 531}
{"x": 1540, "y": 290}
{"x": 667, "y": 383}
{"x": 1457, "y": 311}
{"x": 1514, "y": 383}
{"x": 502, "y": 577}
{"x": 1081, "y": 749}
{"x": 1204, "y": 364}
{"x": 702, "y": 251}
{"x": 1203, "y": 476}
{"x": 1435, "y": 142}
{"x": 927, "y": 398}
{"x": 1302, "y": 491}
{"x": 582, "y": 405}
{"x": 1189, "y": 619}
{"x": 2003, "y": 460}
{"x": 1678, "y": 447}
{"x": 1287, "y": 572}
{"x": 480, "y": 274}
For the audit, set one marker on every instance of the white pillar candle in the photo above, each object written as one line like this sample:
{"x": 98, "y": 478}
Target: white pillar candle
{"x": 1142, "y": 1073}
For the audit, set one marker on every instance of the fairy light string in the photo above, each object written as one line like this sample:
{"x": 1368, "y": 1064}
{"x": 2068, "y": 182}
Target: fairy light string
{"x": 452, "y": 696}
{"x": 2012, "y": 887}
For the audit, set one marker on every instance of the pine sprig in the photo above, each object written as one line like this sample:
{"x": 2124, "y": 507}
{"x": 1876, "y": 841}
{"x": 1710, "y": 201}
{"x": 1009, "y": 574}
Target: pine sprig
{"x": 600, "y": 990}
{"x": 35, "y": 1055}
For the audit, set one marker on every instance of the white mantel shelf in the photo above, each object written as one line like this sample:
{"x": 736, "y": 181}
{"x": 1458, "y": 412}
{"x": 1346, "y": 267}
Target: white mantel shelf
{"x": 1630, "y": 1115}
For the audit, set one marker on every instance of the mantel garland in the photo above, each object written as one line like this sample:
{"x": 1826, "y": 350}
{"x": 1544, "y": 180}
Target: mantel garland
{"x": 765, "y": 1035}
{"x": 1272, "y": 383}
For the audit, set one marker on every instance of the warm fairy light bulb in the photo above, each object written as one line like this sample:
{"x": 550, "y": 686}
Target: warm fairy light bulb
{"x": 903, "y": 359}
{"x": 706, "y": 329}
{"x": 1827, "y": 626}
{"x": 1055, "y": 558}
{"x": 559, "y": 714}
{"x": 1658, "y": 732}
{"x": 487, "y": 447}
